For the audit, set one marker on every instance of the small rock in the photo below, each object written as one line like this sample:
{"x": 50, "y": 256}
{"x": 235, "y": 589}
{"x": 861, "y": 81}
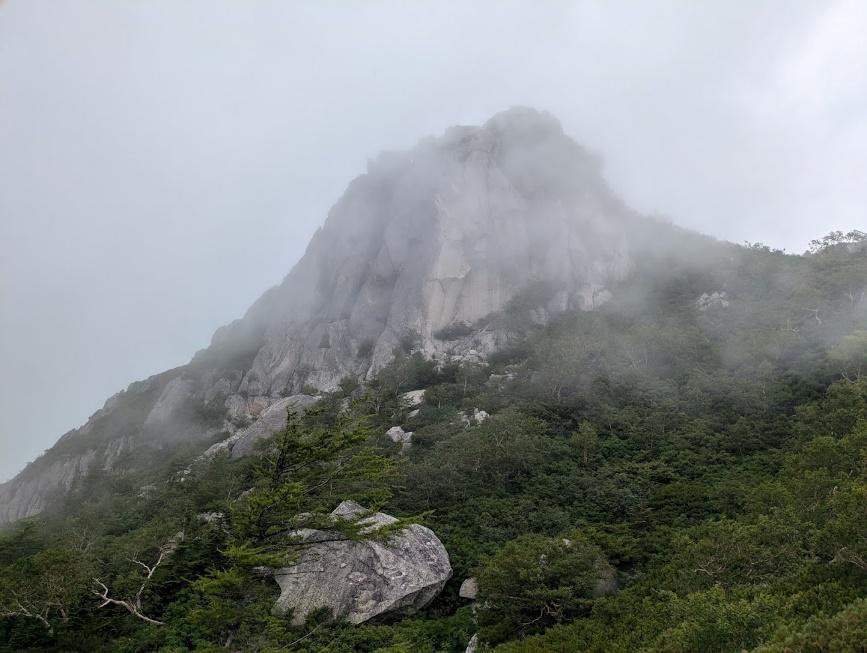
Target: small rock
{"x": 477, "y": 417}
{"x": 210, "y": 517}
{"x": 469, "y": 589}
{"x": 473, "y": 646}
{"x": 397, "y": 434}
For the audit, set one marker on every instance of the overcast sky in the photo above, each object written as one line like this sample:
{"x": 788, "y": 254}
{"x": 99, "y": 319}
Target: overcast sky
{"x": 164, "y": 162}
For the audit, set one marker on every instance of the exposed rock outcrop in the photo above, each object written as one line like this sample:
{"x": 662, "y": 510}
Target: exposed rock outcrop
{"x": 412, "y": 399}
{"x": 358, "y": 580}
{"x": 431, "y": 241}
{"x": 270, "y": 420}
{"x": 426, "y": 250}
{"x": 171, "y": 400}
{"x": 398, "y": 435}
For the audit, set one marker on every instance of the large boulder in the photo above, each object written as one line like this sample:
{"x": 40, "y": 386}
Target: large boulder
{"x": 358, "y": 580}
{"x": 412, "y": 398}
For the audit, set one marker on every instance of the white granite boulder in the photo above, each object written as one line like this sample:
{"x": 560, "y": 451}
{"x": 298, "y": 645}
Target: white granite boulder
{"x": 358, "y": 580}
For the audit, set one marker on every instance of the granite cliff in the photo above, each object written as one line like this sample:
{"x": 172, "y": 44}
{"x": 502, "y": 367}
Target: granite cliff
{"x": 423, "y": 250}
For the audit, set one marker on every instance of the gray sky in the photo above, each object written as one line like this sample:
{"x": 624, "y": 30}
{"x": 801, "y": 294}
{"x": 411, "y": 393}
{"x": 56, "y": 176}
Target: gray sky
{"x": 164, "y": 162}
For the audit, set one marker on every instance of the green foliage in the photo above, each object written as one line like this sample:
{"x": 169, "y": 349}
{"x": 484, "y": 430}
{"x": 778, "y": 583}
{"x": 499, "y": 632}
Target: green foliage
{"x": 835, "y": 239}
{"x": 304, "y": 469}
{"x": 712, "y": 461}
{"x": 586, "y": 441}
{"x": 843, "y": 632}
{"x": 534, "y": 582}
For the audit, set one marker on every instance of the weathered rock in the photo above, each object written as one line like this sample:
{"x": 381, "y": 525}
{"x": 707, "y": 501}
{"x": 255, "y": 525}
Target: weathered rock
{"x": 397, "y": 434}
{"x": 173, "y": 397}
{"x": 447, "y": 234}
{"x": 211, "y": 517}
{"x": 469, "y": 589}
{"x": 358, "y": 580}
{"x": 477, "y": 417}
{"x": 25, "y": 495}
{"x": 412, "y": 398}
{"x": 473, "y": 644}
{"x": 500, "y": 379}
{"x": 272, "y": 419}
{"x": 715, "y": 300}
{"x": 240, "y": 409}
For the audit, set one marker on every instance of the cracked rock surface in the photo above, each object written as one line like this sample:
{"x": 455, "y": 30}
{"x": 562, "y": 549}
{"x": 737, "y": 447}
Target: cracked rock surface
{"x": 358, "y": 580}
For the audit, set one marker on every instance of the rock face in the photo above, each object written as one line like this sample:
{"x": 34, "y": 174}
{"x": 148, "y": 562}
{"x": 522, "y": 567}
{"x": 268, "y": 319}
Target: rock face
{"x": 422, "y": 251}
{"x": 272, "y": 419}
{"x": 412, "y": 399}
{"x": 360, "y": 580}
{"x": 431, "y": 241}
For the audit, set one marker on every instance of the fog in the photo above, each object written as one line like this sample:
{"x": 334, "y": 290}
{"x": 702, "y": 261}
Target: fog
{"x": 162, "y": 163}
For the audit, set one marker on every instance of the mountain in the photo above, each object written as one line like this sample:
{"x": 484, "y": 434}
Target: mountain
{"x": 491, "y": 408}
{"x": 424, "y": 249}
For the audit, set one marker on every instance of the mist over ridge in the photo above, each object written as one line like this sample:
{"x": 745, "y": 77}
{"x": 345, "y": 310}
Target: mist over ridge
{"x": 160, "y": 170}
{"x": 433, "y": 326}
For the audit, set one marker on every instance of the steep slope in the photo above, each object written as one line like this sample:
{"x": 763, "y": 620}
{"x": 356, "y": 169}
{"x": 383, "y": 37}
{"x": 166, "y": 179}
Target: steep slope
{"x": 420, "y": 252}
{"x": 439, "y": 236}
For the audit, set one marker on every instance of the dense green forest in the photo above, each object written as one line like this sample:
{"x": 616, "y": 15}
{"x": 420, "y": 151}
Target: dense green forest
{"x": 699, "y": 442}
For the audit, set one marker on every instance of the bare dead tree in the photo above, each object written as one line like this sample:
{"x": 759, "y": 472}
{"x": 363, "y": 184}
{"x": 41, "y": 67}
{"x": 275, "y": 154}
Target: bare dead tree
{"x": 853, "y": 558}
{"x": 815, "y": 312}
{"x": 134, "y": 604}
{"x": 21, "y": 607}
{"x": 46, "y": 588}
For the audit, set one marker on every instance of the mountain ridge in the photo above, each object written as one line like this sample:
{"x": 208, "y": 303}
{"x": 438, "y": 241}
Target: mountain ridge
{"x": 421, "y": 251}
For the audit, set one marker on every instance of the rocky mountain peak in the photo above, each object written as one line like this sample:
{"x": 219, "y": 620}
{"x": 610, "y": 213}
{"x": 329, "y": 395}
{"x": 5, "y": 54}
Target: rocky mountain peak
{"x": 426, "y": 248}
{"x": 444, "y": 234}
